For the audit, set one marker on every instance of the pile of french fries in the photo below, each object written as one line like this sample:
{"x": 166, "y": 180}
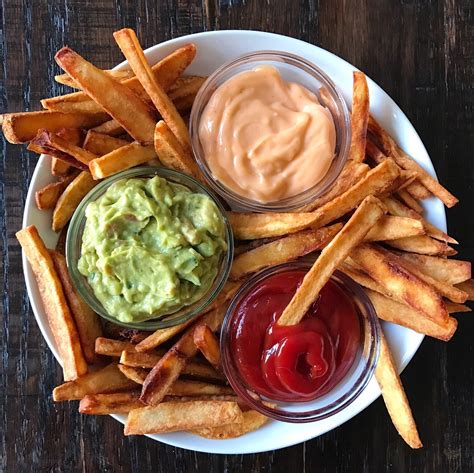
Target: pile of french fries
{"x": 369, "y": 225}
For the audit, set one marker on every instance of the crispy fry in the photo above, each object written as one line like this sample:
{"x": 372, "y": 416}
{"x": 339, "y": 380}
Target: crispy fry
{"x": 60, "y": 319}
{"x": 117, "y": 75}
{"x": 111, "y": 347}
{"x": 252, "y": 420}
{"x": 54, "y": 141}
{"x": 23, "y": 127}
{"x": 282, "y": 250}
{"x": 423, "y": 245}
{"x": 249, "y": 226}
{"x": 175, "y": 416}
{"x": 113, "y": 403}
{"x": 171, "y": 153}
{"x": 59, "y": 168}
{"x": 468, "y": 287}
{"x": 353, "y": 232}
{"x": 198, "y": 388}
{"x": 137, "y": 375}
{"x": 208, "y": 345}
{"x": 359, "y": 117}
{"x": 122, "y": 158}
{"x": 73, "y": 135}
{"x": 351, "y": 173}
{"x": 110, "y": 127}
{"x": 406, "y": 162}
{"x": 116, "y": 98}
{"x": 168, "y": 368}
{"x": 400, "y": 283}
{"x": 167, "y": 71}
{"x": 163, "y": 335}
{"x": 445, "y": 270}
{"x": 131, "y": 49}
{"x": 70, "y": 199}
{"x": 392, "y": 311}
{"x": 185, "y": 86}
{"x": 87, "y": 321}
{"x": 107, "y": 380}
{"x": 391, "y": 228}
{"x": 148, "y": 360}
{"x": 398, "y": 209}
{"x": 394, "y": 396}
{"x": 100, "y": 144}
{"x": 454, "y": 308}
{"x": 410, "y": 201}
{"x": 47, "y": 196}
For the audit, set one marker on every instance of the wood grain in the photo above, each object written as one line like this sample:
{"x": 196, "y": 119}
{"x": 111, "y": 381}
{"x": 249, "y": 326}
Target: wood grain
{"x": 421, "y": 52}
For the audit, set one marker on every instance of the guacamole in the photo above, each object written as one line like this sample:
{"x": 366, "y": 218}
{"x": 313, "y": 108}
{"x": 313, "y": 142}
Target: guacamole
{"x": 151, "y": 247}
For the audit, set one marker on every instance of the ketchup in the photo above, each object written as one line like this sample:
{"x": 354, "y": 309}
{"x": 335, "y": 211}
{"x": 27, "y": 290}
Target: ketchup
{"x": 299, "y": 362}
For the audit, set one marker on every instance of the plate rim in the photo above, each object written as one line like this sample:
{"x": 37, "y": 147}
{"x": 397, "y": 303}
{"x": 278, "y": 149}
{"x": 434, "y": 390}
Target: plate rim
{"x": 38, "y": 310}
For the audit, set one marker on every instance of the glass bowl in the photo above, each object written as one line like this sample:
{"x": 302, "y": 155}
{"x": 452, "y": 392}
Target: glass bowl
{"x": 295, "y": 69}
{"x": 339, "y": 397}
{"x": 74, "y": 244}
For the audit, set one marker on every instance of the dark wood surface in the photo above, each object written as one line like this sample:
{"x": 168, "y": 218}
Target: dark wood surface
{"x": 421, "y": 52}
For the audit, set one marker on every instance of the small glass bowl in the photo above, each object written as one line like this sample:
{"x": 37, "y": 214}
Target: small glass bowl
{"x": 74, "y": 244}
{"x": 338, "y": 398}
{"x": 293, "y": 69}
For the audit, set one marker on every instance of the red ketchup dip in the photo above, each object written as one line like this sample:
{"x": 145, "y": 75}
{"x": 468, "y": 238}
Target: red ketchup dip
{"x": 300, "y": 362}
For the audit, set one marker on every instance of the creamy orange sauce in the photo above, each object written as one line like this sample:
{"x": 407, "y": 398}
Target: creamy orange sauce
{"x": 264, "y": 138}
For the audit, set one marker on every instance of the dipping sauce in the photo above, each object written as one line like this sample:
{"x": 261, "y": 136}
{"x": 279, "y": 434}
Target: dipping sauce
{"x": 151, "y": 247}
{"x": 300, "y": 362}
{"x": 264, "y": 138}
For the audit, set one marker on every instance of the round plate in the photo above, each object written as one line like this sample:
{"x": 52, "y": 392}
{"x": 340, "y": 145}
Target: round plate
{"x": 214, "y": 49}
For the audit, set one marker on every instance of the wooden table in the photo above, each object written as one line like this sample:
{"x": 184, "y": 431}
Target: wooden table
{"x": 421, "y": 52}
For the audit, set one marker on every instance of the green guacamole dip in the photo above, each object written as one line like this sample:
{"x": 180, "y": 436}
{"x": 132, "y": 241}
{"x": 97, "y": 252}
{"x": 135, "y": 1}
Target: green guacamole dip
{"x": 151, "y": 247}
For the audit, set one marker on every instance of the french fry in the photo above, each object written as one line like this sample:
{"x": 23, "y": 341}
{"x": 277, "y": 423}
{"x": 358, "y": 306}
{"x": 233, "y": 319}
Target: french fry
{"x": 59, "y": 168}
{"x": 70, "y": 199}
{"x": 410, "y": 201}
{"x": 468, "y": 287}
{"x": 408, "y": 163}
{"x": 282, "y": 250}
{"x": 249, "y": 226}
{"x": 110, "y": 127}
{"x": 23, "y": 127}
{"x": 133, "y": 359}
{"x": 137, "y": 375}
{"x": 73, "y": 135}
{"x": 185, "y": 86}
{"x": 396, "y": 208}
{"x": 392, "y": 228}
{"x": 167, "y": 71}
{"x": 353, "y": 232}
{"x": 48, "y": 196}
{"x": 111, "y": 347}
{"x": 208, "y": 345}
{"x": 359, "y": 117}
{"x": 424, "y": 245}
{"x": 100, "y": 144}
{"x": 168, "y": 368}
{"x": 171, "y": 153}
{"x": 50, "y": 140}
{"x": 392, "y": 311}
{"x": 454, "y": 308}
{"x": 61, "y": 243}
{"x": 116, "y": 98}
{"x": 122, "y": 158}
{"x": 449, "y": 271}
{"x": 252, "y": 420}
{"x": 113, "y": 403}
{"x": 70, "y": 82}
{"x": 198, "y": 388}
{"x": 59, "y": 316}
{"x": 394, "y": 396}
{"x": 106, "y": 380}
{"x": 400, "y": 283}
{"x": 87, "y": 321}
{"x": 163, "y": 335}
{"x": 128, "y": 42}
{"x": 351, "y": 173}
{"x": 175, "y": 416}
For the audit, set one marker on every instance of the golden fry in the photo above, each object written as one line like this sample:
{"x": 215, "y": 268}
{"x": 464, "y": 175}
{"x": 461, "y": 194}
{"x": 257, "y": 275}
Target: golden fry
{"x": 208, "y": 345}
{"x": 100, "y": 144}
{"x": 359, "y": 117}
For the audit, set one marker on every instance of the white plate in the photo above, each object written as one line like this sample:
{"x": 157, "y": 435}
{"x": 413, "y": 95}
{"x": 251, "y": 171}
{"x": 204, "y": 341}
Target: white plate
{"x": 214, "y": 49}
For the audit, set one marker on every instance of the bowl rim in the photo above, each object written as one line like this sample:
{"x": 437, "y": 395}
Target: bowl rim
{"x": 74, "y": 243}
{"x": 371, "y": 341}
{"x": 343, "y": 130}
